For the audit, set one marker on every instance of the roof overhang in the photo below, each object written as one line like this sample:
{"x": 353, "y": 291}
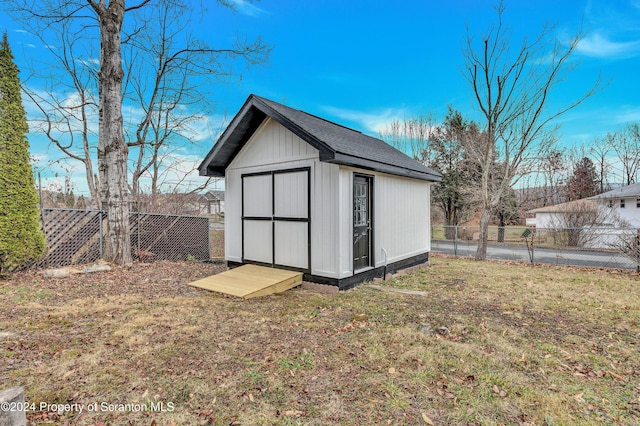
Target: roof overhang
{"x": 252, "y": 115}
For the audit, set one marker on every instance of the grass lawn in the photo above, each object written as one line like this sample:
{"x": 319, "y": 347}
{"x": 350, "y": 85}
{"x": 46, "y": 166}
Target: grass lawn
{"x": 477, "y": 343}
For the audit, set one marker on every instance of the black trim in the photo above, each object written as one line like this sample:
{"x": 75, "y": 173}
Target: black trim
{"x": 324, "y": 150}
{"x": 354, "y": 280}
{"x": 242, "y": 214}
{"x": 290, "y": 219}
{"x": 330, "y": 139}
{"x": 256, "y": 174}
{"x": 370, "y": 179}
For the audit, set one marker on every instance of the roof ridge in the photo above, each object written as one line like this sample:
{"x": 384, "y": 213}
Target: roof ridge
{"x": 311, "y": 115}
{"x": 333, "y": 122}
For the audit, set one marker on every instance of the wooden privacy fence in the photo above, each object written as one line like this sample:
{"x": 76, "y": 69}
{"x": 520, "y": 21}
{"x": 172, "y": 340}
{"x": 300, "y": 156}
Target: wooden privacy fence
{"x": 77, "y": 236}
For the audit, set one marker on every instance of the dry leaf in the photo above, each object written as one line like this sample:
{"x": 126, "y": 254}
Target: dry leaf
{"x": 427, "y": 420}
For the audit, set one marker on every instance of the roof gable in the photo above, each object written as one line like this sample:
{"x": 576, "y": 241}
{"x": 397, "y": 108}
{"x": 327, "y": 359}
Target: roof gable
{"x": 335, "y": 143}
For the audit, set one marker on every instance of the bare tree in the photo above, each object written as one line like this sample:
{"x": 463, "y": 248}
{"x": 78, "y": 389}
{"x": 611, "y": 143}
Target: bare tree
{"x": 553, "y": 169}
{"x": 412, "y": 136}
{"x": 442, "y": 147}
{"x": 113, "y": 152}
{"x": 599, "y": 153}
{"x": 169, "y": 94}
{"x": 626, "y": 145}
{"x": 175, "y": 65}
{"x": 67, "y": 100}
{"x": 512, "y": 90}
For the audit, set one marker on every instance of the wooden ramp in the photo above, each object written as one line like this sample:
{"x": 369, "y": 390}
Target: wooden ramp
{"x": 249, "y": 281}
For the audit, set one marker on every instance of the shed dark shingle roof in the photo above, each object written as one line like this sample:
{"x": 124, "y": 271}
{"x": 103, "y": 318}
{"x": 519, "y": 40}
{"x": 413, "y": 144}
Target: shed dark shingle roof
{"x": 336, "y": 144}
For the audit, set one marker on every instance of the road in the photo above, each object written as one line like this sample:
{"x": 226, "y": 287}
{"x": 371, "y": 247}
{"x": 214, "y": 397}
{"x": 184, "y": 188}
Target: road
{"x": 540, "y": 255}
{"x": 216, "y": 226}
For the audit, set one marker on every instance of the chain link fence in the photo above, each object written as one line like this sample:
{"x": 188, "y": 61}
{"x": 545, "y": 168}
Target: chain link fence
{"x": 77, "y": 236}
{"x": 600, "y": 247}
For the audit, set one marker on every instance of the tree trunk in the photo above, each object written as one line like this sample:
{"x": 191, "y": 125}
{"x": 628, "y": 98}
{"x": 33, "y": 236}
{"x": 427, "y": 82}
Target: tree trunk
{"x": 112, "y": 149}
{"x": 483, "y": 238}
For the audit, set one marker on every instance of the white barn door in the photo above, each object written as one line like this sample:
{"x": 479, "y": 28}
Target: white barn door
{"x": 276, "y": 218}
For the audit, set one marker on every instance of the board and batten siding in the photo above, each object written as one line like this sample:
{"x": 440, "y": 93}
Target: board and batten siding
{"x": 273, "y": 147}
{"x": 325, "y": 248}
{"x": 401, "y": 209}
{"x": 401, "y": 221}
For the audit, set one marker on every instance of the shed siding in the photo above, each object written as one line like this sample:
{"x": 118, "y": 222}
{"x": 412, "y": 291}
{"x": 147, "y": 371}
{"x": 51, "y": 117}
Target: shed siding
{"x": 273, "y": 144}
{"x": 402, "y": 212}
{"x": 271, "y": 147}
{"x": 401, "y": 208}
{"x": 345, "y": 222}
{"x": 401, "y": 218}
{"x": 324, "y": 220}
{"x": 233, "y": 216}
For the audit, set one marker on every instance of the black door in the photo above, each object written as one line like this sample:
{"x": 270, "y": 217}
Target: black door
{"x": 362, "y": 223}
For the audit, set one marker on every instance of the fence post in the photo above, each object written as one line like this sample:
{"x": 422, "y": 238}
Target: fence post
{"x": 139, "y": 247}
{"x": 455, "y": 241}
{"x": 100, "y": 232}
{"x": 533, "y": 241}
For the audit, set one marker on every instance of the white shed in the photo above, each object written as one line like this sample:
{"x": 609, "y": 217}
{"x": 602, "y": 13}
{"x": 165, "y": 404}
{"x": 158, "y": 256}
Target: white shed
{"x": 307, "y": 194}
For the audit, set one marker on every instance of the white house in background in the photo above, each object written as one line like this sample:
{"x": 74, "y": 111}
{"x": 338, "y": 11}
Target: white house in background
{"x": 564, "y": 215}
{"x": 625, "y": 202}
{"x": 307, "y": 194}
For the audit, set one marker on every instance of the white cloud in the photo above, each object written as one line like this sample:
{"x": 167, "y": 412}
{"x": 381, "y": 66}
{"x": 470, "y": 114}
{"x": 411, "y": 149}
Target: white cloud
{"x": 628, "y": 114}
{"x": 247, "y": 8}
{"x": 206, "y": 127}
{"x": 598, "y": 46}
{"x": 372, "y": 122}
{"x": 91, "y": 62}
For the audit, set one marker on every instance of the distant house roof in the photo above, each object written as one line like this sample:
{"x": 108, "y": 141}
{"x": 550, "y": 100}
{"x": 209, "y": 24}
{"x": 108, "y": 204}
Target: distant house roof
{"x": 632, "y": 190}
{"x": 213, "y": 195}
{"x": 337, "y": 144}
{"x": 577, "y": 206}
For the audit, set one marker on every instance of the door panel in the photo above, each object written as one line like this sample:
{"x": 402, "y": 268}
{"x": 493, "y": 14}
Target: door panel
{"x": 291, "y": 198}
{"x": 258, "y": 241}
{"x": 276, "y": 218}
{"x": 362, "y": 223}
{"x": 257, "y": 198}
{"x": 291, "y": 244}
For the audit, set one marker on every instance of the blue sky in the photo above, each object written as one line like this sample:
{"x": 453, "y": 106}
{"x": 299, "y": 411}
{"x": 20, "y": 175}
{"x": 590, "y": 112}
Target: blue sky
{"x": 364, "y": 63}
